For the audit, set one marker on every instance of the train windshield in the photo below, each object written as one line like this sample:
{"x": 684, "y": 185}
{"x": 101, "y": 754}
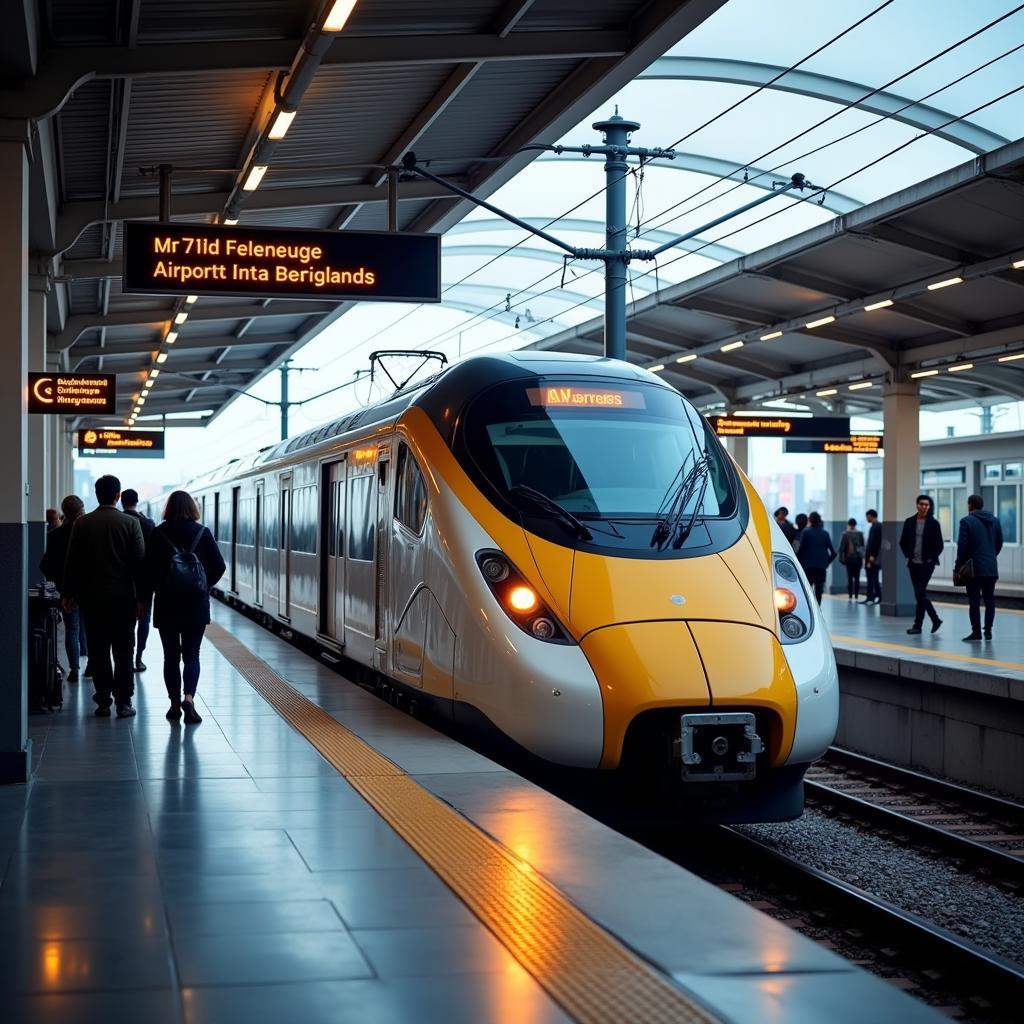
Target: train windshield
{"x": 598, "y": 451}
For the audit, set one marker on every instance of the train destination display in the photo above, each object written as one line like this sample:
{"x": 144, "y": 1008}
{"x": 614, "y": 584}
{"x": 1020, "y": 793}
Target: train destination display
{"x": 832, "y": 427}
{"x": 199, "y": 259}
{"x": 855, "y": 444}
{"x": 59, "y": 393}
{"x": 135, "y": 444}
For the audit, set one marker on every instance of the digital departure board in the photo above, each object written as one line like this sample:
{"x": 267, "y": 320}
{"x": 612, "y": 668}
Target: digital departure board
{"x": 832, "y": 427}
{"x": 855, "y": 444}
{"x": 76, "y": 393}
{"x": 199, "y": 259}
{"x": 569, "y": 397}
{"x": 135, "y": 444}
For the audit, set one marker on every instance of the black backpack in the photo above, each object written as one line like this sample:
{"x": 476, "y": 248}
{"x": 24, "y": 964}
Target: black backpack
{"x": 186, "y": 577}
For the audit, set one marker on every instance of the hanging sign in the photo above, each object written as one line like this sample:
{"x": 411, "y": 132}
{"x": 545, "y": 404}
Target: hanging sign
{"x": 837, "y": 427}
{"x": 855, "y": 444}
{"x": 77, "y": 393}
{"x": 136, "y": 444}
{"x": 287, "y": 263}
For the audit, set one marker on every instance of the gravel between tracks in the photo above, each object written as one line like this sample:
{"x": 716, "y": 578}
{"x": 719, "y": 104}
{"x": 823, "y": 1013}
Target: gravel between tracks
{"x": 925, "y": 885}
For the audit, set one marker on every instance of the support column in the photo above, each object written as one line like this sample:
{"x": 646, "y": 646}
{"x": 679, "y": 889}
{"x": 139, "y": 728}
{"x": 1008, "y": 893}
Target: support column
{"x": 37, "y": 430}
{"x": 837, "y": 501}
{"x": 15, "y": 746}
{"x": 738, "y": 448}
{"x": 901, "y": 483}
{"x": 53, "y": 434}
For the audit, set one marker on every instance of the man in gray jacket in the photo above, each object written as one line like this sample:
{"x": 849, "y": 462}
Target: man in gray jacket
{"x": 979, "y": 542}
{"x": 102, "y": 576}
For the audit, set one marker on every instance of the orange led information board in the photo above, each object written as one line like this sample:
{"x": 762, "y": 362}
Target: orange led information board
{"x": 855, "y": 444}
{"x": 61, "y": 393}
{"x": 562, "y": 396}
{"x": 200, "y": 259}
{"x": 135, "y": 444}
{"x": 832, "y": 427}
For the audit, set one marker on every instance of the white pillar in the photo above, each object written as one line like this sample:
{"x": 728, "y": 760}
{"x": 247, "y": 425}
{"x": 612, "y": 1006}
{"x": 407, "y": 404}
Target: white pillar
{"x": 901, "y": 483}
{"x": 37, "y": 430}
{"x": 837, "y": 511}
{"x": 738, "y": 448}
{"x": 15, "y": 746}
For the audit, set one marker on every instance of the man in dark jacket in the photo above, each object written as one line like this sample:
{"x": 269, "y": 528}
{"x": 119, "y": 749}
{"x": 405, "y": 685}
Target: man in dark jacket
{"x": 921, "y": 543}
{"x": 872, "y": 556}
{"x": 782, "y": 518}
{"x": 980, "y": 540}
{"x": 102, "y": 575}
{"x": 52, "y": 568}
{"x": 129, "y": 503}
{"x": 815, "y": 553}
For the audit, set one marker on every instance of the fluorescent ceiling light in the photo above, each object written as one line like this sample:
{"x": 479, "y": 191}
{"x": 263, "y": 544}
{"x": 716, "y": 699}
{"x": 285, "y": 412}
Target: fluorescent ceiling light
{"x": 877, "y": 305}
{"x": 181, "y": 318}
{"x": 1010, "y": 359}
{"x": 1017, "y": 264}
{"x": 191, "y": 298}
{"x": 936, "y": 285}
{"x": 689, "y": 358}
{"x": 860, "y": 385}
{"x": 820, "y": 323}
{"x": 162, "y": 358}
{"x": 281, "y": 124}
{"x": 960, "y": 367}
{"x": 154, "y": 372}
{"x": 172, "y": 337}
{"x": 827, "y": 392}
{"x": 230, "y": 221}
{"x": 142, "y": 401}
{"x": 338, "y": 15}
{"x": 252, "y": 182}
{"x": 732, "y": 345}
{"x": 774, "y": 334}
{"x": 924, "y": 373}
{"x": 656, "y": 369}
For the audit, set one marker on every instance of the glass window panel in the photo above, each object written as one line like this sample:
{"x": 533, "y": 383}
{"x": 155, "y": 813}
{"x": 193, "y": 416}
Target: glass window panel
{"x": 931, "y": 477}
{"x": 1012, "y": 471}
{"x": 1008, "y": 498}
{"x": 360, "y": 518}
{"x": 992, "y": 471}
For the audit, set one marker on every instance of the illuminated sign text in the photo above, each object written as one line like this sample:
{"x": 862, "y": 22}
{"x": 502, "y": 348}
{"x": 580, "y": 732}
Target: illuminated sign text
{"x": 563, "y": 397}
{"x": 837, "y": 427}
{"x": 202, "y": 259}
{"x": 855, "y": 444}
{"x": 58, "y": 393}
{"x": 135, "y": 444}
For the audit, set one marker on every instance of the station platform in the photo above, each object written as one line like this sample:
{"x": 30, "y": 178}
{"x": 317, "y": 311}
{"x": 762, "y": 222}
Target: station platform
{"x": 310, "y": 853}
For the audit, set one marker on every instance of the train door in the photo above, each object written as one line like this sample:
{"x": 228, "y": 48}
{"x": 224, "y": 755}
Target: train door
{"x": 235, "y": 494}
{"x": 257, "y": 585}
{"x": 381, "y": 612}
{"x": 284, "y": 570}
{"x": 410, "y": 600}
{"x": 332, "y": 551}
{"x": 357, "y": 591}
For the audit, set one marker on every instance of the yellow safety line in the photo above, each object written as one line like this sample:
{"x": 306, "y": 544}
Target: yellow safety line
{"x": 858, "y": 641}
{"x": 590, "y": 973}
{"x": 938, "y": 604}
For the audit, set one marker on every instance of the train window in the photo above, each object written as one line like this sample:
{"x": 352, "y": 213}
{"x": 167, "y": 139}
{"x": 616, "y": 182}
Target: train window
{"x": 216, "y": 516}
{"x": 303, "y": 533}
{"x": 361, "y": 491}
{"x": 410, "y": 492}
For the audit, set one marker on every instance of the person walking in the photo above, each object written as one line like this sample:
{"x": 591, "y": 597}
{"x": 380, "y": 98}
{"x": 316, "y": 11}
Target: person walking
{"x": 815, "y": 553}
{"x": 129, "y": 505}
{"x": 872, "y": 557}
{"x": 781, "y": 517}
{"x": 801, "y": 525}
{"x": 978, "y": 544}
{"x": 102, "y": 577}
{"x": 53, "y": 519}
{"x": 851, "y": 555}
{"x": 51, "y": 565}
{"x": 183, "y": 562}
{"x": 921, "y": 544}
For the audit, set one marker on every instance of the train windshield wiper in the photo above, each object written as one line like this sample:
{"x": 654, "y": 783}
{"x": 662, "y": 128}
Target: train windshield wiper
{"x": 551, "y": 506}
{"x": 689, "y": 491}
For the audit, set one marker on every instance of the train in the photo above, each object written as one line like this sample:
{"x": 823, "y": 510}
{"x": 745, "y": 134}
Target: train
{"x": 554, "y": 549}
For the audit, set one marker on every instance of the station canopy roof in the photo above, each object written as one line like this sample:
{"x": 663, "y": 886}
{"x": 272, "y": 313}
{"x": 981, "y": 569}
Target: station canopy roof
{"x": 905, "y": 121}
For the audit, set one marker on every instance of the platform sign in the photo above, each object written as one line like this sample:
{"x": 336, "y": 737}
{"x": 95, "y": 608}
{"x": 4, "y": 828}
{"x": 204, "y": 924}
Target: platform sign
{"x": 832, "y": 427}
{"x": 855, "y": 444}
{"x": 287, "y": 263}
{"x": 76, "y": 393}
{"x": 135, "y": 444}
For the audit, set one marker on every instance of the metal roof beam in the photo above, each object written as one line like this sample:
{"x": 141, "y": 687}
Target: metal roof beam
{"x": 812, "y": 282}
{"x": 725, "y": 311}
{"x": 919, "y": 244}
{"x": 82, "y": 352}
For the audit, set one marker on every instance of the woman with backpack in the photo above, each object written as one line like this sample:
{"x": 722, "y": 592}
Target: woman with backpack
{"x": 851, "y": 554}
{"x": 182, "y": 563}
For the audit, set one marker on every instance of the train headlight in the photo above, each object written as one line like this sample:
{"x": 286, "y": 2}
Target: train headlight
{"x": 520, "y": 602}
{"x": 796, "y": 617}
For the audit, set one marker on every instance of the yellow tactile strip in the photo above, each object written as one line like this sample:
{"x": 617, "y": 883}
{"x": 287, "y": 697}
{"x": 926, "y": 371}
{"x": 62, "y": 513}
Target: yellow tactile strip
{"x": 593, "y": 976}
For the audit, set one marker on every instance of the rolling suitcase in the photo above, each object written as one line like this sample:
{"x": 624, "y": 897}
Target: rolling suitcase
{"x": 45, "y": 675}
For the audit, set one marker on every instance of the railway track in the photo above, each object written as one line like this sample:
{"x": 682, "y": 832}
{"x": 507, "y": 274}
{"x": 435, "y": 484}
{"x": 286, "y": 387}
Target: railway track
{"x": 981, "y": 831}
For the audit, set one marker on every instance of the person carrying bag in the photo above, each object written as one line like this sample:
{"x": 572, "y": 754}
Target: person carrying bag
{"x": 851, "y": 555}
{"x": 979, "y": 541}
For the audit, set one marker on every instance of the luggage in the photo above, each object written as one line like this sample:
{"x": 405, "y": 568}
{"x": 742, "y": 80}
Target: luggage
{"x": 45, "y": 675}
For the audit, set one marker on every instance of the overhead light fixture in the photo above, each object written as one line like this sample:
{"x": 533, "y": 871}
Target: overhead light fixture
{"x": 1017, "y": 264}
{"x": 255, "y": 176}
{"x": 181, "y": 317}
{"x": 688, "y": 358}
{"x": 960, "y": 367}
{"x": 282, "y": 122}
{"x": 162, "y": 358}
{"x": 154, "y": 373}
{"x": 877, "y": 305}
{"x": 936, "y": 285}
{"x": 338, "y": 15}
{"x": 860, "y": 385}
{"x": 1010, "y": 359}
{"x": 732, "y": 345}
{"x": 191, "y": 298}
{"x": 827, "y": 392}
{"x": 820, "y": 323}
{"x": 142, "y": 401}
{"x": 172, "y": 337}
{"x": 656, "y": 369}
{"x": 773, "y": 334}
{"x": 924, "y": 373}
{"x": 230, "y": 221}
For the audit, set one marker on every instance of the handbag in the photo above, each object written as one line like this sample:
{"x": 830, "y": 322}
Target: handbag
{"x": 963, "y": 574}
